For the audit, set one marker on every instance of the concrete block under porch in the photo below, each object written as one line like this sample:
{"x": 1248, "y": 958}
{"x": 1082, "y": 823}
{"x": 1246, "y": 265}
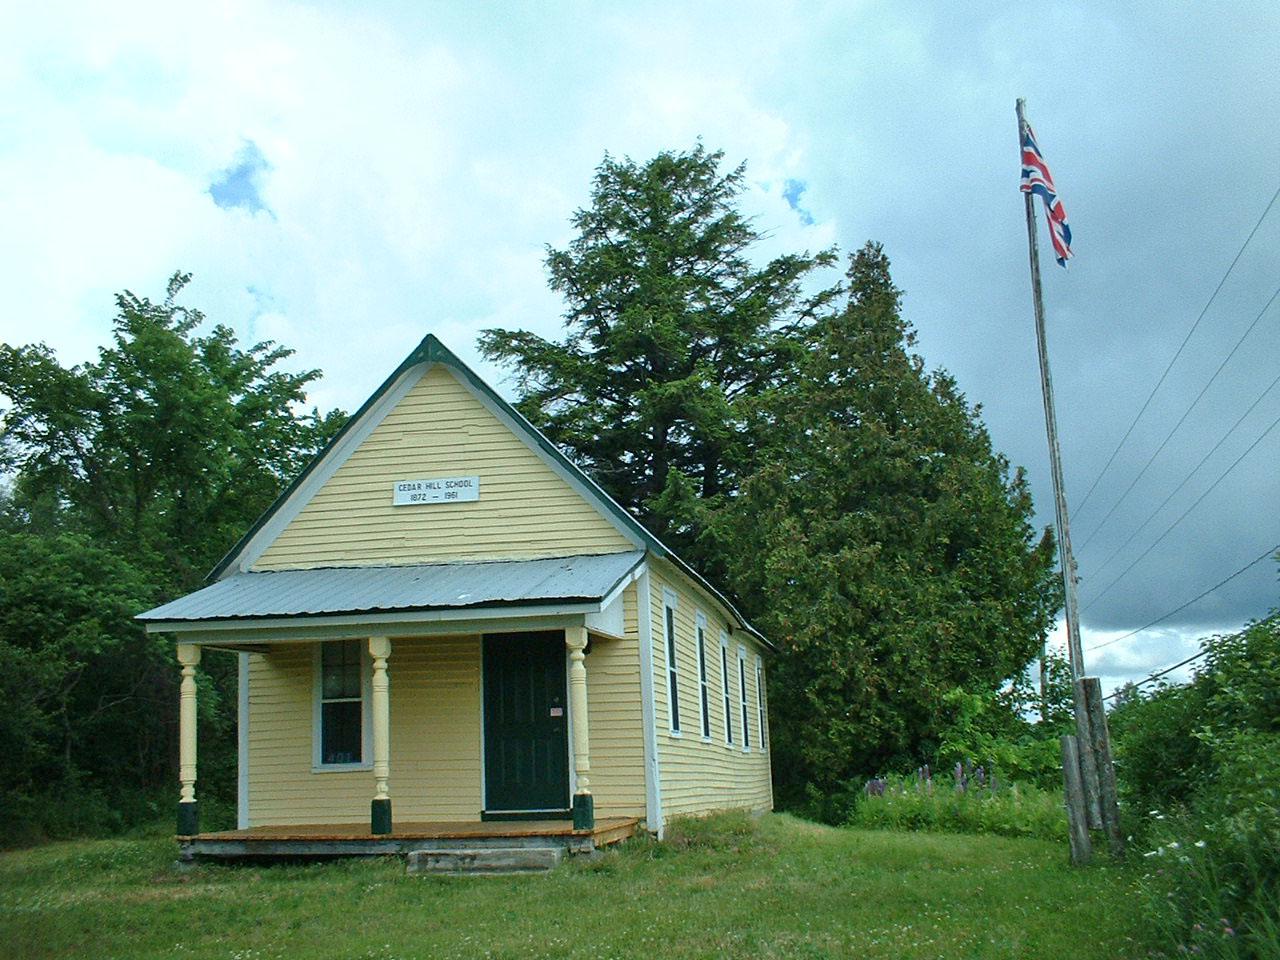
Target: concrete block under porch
{"x": 447, "y": 838}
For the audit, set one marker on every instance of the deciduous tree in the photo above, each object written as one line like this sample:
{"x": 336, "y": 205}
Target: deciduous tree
{"x": 131, "y": 475}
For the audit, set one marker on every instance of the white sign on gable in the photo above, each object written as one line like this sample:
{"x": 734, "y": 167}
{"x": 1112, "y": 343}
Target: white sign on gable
{"x": 439, "y": 490}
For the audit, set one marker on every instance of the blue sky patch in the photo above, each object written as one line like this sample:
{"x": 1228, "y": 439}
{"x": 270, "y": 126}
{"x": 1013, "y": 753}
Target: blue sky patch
{"x": 792, "y": 190}
{"x": 240, "y": 184}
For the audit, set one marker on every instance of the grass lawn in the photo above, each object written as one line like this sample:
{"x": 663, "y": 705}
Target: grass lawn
{"x": 778, "y": 887}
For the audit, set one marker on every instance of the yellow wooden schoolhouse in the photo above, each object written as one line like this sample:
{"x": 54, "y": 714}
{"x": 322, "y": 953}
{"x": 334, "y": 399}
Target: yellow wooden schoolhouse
{"x": 447, "y": 631}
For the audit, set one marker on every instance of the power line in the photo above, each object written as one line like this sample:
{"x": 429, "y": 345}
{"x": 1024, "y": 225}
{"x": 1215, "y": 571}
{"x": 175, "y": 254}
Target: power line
{"x": 1187, "y": 479}
{"x": 1183, "y": 419}
{"x": 1275, "y": 423}
{"x": 1167, "y": 670}
{"x": 1146, "y": 403}
{"x": 1271, "y": 551}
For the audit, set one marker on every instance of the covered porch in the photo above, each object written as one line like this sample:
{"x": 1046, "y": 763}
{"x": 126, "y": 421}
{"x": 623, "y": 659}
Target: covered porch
{"x": 427, "y": 708}
{"x": 322, "y": 840}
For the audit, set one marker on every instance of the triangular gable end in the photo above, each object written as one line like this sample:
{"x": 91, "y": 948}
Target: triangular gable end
{"x": 432, "y": 418}
{"x": 625, "y": 532}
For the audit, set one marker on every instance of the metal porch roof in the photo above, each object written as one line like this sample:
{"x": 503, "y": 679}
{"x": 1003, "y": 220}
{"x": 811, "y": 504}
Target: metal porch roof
{"x": 345, "y": 590}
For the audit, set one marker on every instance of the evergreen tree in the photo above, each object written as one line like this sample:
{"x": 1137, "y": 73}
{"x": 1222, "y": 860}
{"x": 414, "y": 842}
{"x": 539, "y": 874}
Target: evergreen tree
{"x": 672, "y": 332}
{"x": 883, "y": 545}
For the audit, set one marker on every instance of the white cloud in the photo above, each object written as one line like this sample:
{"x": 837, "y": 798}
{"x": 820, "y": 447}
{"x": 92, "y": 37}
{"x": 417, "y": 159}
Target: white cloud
{"x": 422, "y": 156}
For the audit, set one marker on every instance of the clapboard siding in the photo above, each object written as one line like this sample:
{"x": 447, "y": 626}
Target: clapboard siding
{"x": 700, "y": 776}
{"x": 435, "y": 737}
{"x": 438, "y": 430}
{"x": 436, "y": 741}
{"x": 616, "y": 720}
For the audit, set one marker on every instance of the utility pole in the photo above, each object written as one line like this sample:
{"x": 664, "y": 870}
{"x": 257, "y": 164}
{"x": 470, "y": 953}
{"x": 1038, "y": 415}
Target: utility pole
{"x": 1101, "y": 811}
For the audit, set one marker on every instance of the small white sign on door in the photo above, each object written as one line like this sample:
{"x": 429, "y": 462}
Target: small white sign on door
{"x": 406, "y": 493}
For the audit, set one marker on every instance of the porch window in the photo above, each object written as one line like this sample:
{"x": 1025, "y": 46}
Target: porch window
{"x": 760, "y": 712}
{"x": 673, "y": 679}
{"x": 703, "y": 695}
{"x": 341, "y": 733}
{"x": 724, "y": 682}
{"x": 742, "y": 693}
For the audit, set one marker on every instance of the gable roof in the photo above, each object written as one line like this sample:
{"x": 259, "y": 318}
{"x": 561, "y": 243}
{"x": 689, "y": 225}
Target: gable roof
{"x": 432, "y": 351}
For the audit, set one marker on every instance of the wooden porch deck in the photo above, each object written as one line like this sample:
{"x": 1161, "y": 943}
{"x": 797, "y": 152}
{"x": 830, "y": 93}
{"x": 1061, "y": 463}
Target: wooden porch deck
{"x": 355, "y": 840}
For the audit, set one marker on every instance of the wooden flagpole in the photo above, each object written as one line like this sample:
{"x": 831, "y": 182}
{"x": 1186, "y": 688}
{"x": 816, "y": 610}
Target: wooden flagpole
{"x": 1075, "y": 651}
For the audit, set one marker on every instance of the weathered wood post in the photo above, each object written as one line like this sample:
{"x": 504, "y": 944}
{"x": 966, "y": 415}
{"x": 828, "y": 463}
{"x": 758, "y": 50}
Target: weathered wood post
{"x": 584, "y": 816}
{"x": 188, "y": 810}
{"x": 1077, "y": 818}
{"x": 380, "y": 707}
{"x": 1108, "y": 799}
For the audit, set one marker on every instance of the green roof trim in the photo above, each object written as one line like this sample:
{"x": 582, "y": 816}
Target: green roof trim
{"x": 431, "y": 350}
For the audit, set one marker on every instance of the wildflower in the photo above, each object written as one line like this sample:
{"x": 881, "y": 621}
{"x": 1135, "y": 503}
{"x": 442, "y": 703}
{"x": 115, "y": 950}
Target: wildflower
{"x": 1201, "y": 844}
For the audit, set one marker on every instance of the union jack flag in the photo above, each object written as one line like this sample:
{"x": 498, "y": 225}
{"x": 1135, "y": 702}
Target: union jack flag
{"x": 1038, "y": 181}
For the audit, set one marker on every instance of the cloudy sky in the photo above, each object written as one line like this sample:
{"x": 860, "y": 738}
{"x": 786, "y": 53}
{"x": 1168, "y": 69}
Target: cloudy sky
{"x": 347, "y": 177}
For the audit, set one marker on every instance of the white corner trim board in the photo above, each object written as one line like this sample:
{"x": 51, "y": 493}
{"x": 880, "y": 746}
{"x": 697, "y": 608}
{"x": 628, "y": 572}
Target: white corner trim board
{"x": 652, "y": 765}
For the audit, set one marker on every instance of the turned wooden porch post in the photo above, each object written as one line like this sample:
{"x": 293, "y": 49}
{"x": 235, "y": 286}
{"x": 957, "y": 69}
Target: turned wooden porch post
{"x": 584, "y": 817}
{"x": 188, "y": 811}
{"x": 380, "y": 707}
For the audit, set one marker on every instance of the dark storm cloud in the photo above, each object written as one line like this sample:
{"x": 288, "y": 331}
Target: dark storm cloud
{"x": 1159, "y": 128}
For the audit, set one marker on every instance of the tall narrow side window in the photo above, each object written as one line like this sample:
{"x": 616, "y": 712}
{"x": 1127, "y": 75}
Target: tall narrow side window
{"x": 724, "y": 682}
{"x": 703, "y": 693}
{"x": 341, "y": 703}
{"x": 761, "y": 717}
{"x": 742, "y": 694}
{"x": 673, "y": 677}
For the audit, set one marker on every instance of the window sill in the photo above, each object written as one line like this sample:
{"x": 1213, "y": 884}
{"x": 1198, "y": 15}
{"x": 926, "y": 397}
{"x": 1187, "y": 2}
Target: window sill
{"x": 340, "y": 767}
{"x": 675, "y": 734}
{"x": 706, "y": 739}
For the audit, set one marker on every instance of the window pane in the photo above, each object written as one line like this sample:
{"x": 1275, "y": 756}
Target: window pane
{"x": 340, "y": 733}
{"x": 340, "y": 669}
{"x": 728, "y": 704}
{"x": 673, "y": 685}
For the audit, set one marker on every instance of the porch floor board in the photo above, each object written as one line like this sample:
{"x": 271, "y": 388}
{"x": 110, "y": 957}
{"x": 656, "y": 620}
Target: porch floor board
{"x": 615, "y": 828}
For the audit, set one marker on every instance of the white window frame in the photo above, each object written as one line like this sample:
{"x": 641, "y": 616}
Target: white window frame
{"x": 762, "y": 721}
{"x": 670, "y": 637}
{"x": 317, "y": 713}
{"x": 742, "y": 696}
{"x": 728, "y": 694}
{"x": 704, "y": 687}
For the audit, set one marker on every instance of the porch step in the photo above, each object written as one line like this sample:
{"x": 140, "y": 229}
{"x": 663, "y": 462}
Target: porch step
{"x": 484, "y": 860}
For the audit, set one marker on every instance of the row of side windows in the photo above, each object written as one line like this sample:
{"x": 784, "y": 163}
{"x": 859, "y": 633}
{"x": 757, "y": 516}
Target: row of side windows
{"x": 737, "y": 712}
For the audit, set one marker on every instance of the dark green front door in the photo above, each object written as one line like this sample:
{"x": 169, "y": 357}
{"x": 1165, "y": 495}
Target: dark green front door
{"x": 526, "y": 724}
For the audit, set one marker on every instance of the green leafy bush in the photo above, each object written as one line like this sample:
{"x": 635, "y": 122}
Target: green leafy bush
{"x": 1199, "y": 765}
{"x": 941, "y": 806}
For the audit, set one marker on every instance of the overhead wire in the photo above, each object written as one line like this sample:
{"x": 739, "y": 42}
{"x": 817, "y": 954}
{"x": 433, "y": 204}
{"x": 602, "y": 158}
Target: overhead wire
{"x": 1187, "y": 479}
{"x": 1167, "y": 670}
{"x": 1168, "y": 530}
{"x": 1269, "y": 552}
{"x": 1101, "y": 524}
{"x": 1182, "y": 346}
